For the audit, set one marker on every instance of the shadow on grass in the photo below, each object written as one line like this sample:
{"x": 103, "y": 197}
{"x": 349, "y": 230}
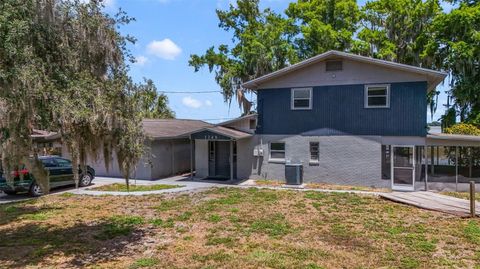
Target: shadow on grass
{"x": 83, "y": 244}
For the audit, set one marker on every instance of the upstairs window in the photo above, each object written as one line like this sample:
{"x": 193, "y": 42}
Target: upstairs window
{"x": 331, "y": 66}
{"x": 377, "y": 96}
{"x": 301, "y": 98}
{"x": 277, "y": 151}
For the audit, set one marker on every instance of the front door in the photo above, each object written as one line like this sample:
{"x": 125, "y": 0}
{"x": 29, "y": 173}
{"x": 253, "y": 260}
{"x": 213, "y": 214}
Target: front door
{"x": 403, "y": 168}
{"x": 219, "y": 159}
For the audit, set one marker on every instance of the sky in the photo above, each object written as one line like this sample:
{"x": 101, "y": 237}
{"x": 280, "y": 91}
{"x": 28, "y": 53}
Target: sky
{"x": 168, "y": 32}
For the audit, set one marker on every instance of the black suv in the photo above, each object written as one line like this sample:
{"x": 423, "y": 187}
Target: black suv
{"x": 61, "y": 174}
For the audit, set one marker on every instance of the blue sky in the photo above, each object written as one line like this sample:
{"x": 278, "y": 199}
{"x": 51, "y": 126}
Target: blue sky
{"x": 168, "y": 32}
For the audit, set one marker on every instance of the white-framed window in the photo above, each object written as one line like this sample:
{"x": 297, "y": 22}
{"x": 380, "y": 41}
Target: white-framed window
{"x": 277, "y": 151}
{"x": 377, "y": 96}
{"x": 314, "y": 152}
{"x": 301, "y": 98}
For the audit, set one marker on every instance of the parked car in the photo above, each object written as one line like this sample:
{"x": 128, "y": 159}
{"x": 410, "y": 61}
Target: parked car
{"x": 61, "y": 174}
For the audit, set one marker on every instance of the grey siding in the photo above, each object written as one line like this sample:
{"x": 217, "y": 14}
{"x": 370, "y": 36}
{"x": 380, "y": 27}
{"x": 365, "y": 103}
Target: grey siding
{"x": 339, "y": 110}
{"x": 170, "y": 157}
{"x": 344, "y": 160}
{"x": 164, "y": 158}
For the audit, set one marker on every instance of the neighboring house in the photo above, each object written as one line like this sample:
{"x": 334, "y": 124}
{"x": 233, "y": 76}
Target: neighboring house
{"x": 47, "y": 143}
{"x": 345, "y": 118}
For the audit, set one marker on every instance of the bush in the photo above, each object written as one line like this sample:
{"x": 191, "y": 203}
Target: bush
{"x": 464, "y": 129}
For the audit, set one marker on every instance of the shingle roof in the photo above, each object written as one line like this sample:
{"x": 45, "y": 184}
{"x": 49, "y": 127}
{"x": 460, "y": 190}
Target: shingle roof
{"x": 171, "y": 128}
{"x": 235, "y": 134}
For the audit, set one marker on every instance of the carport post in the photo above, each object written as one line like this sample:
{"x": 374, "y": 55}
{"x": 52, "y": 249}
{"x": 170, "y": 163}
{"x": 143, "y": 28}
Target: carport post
{"x": 231, "y": 159}
{"x": 472, "y": 199}
{"x": 426, "y": 167}
{"x": 456, "y": 168}
{"x": 191, "y": 158}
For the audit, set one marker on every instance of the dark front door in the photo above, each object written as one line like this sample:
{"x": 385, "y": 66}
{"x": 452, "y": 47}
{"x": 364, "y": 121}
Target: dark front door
{"x": 222, "y": 159}
{"x": 219, "y": 159}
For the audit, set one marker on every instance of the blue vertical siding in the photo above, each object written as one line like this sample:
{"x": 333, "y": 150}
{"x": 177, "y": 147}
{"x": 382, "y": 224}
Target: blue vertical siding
{"x": 339, "y": 110}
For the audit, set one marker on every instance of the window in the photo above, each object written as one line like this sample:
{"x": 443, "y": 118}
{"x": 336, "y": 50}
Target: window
{"x": 333, "y": 66}
{"x": 48, "y": 162}
{"x": 63, "y": 163}
{"x": 302, "y": 98}
{"x": 314, "y": 152}
{"x": 377, "y": 96}
{"x": 253, "y": 124}
{"x": 277, "y": 151}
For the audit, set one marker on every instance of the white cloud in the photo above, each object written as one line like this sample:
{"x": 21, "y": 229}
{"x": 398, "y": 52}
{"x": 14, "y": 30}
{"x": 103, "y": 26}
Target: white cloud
{"x": 208, "y": 103}
{"x": 165, "y": 49}
{"x": 109, "y": 3}
{"x": 192, "y": 102}
{"x": 141, "y": 60}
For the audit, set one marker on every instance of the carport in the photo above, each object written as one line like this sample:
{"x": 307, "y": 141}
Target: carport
{"x": 452, "y": 161}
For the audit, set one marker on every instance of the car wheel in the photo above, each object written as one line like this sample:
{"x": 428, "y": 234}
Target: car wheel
{"x": 35, "y": 190}
{"x": 85, "y": 180}
{"x": 10, "y": 192}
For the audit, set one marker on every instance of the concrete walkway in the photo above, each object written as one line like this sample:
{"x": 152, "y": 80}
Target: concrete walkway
{"x": 194, "y": 185}
{"x": 188, "y": 185}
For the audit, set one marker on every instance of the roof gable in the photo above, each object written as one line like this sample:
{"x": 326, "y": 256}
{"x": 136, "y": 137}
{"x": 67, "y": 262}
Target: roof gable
{"x": 357, "y": 70}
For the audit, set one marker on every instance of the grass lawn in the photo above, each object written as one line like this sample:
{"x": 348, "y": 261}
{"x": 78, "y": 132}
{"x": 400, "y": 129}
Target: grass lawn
{"x": 123, "y": 187}
{"x": 233, "y": 228}
{"x": 463, "y": 195}
{"x": 277, "y": 183}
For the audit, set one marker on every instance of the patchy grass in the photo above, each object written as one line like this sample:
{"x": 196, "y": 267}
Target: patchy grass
{"x": 462, "y": 195}
{"x": 233, "y": 228}
{"x": 268, "y": 182}
{"x": 133, "y": 188}
{"x": 119, "y": 226}
{"x": 324, "y": 186}
{"x": 344, "y": 187}
{"x": 144, "y": 263}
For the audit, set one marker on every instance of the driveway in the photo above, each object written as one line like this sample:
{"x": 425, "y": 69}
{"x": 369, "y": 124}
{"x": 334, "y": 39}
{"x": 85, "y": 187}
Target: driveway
{"x": 188, "y": 185}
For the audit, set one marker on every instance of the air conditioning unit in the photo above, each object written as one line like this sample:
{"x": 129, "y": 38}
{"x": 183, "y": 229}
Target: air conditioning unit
{"x": 294, "y": 174}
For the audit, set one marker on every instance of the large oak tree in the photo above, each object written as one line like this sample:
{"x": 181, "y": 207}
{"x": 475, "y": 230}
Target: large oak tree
{"x": 63, "y": 67}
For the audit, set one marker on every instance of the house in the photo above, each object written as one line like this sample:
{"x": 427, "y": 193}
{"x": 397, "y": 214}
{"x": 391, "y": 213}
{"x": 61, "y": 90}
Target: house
{"x": 347, "y": 119}
{"x": 168, "y": 150}
{"x": 167, "y": 143}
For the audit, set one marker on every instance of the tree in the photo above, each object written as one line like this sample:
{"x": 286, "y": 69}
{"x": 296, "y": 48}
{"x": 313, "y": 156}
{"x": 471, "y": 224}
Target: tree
{"x": 455, "y": 44}
{"x": 323, "y": 25}
{"x": 262, "y": 44}
{"x": 152, "y": 104}
{"x": 62, "y": 68}
{"x": 397, "y": 30}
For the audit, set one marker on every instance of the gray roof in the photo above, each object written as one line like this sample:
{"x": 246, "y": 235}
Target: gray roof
{"x": 434, "y": 77}
{"x": 453, "y": 137}
{"x": 171, "y": 128}
{"x": 232, "y": 133}
{"x": 254, "y": 115}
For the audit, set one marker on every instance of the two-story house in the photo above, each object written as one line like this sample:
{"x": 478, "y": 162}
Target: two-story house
{"x": 346, "y": 118}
